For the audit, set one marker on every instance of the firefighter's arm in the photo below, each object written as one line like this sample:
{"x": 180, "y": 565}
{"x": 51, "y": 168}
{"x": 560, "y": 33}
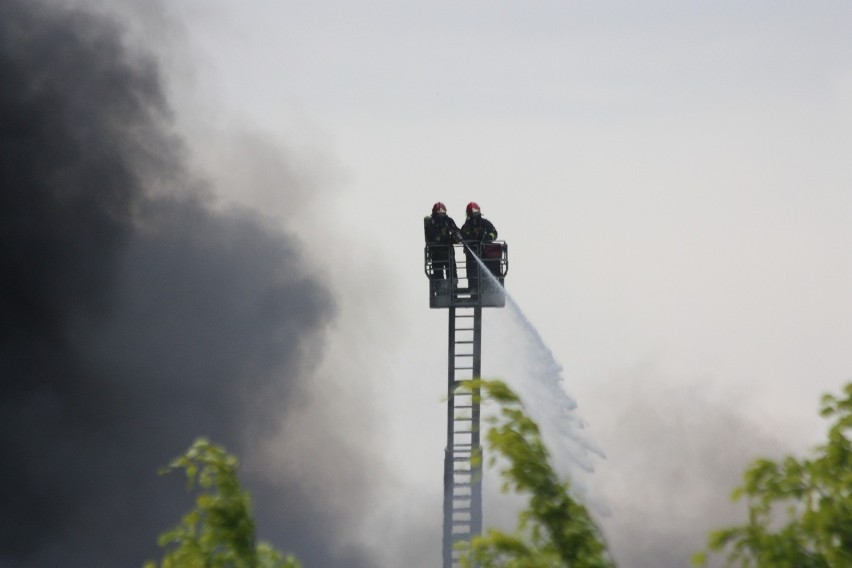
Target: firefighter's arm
{"x": 490, "y": 232}
{"x": 456, "y": 234}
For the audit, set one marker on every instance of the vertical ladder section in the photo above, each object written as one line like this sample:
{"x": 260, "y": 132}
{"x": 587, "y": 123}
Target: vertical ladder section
{"x": 462, "y": 455}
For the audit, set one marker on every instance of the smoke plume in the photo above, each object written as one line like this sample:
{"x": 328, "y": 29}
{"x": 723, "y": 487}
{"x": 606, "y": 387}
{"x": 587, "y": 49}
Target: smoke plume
{"x": 133, "y": 317}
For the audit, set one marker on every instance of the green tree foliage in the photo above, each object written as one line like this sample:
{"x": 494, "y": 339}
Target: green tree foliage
{"x": 554, "y": 530}
{"x": 799, "y": 511}
{"x": 219, "y": 531}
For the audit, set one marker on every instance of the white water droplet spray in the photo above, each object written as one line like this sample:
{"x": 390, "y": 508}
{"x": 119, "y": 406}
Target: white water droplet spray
{"x": 540, "y": 386}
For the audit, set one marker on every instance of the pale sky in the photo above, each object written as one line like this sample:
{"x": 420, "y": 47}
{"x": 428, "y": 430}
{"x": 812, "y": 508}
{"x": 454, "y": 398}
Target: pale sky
{"x": 673, "y": 180}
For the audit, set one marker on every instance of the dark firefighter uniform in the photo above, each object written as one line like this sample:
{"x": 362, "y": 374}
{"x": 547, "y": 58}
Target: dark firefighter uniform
{"x": 441, "y": 232}
{"x": 475, "y": 231}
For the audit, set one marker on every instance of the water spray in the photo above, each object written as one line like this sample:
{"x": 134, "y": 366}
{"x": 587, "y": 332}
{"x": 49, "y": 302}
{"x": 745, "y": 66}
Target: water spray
{"x": 543, "y": 396}
{"x": 553, "y": 403}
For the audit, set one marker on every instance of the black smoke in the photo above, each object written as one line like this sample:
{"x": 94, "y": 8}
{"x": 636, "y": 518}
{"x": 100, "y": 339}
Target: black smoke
{"x": 133, "y": 317}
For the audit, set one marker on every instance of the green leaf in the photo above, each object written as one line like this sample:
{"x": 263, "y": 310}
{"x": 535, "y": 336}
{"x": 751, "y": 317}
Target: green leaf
{"x": 219, "y": 531}
{"x": 799, "y": 509}
{"x": 554, "y": 530}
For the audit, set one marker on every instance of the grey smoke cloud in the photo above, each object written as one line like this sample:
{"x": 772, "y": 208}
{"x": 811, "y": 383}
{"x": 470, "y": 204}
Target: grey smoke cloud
{"x": 133, "y": 316}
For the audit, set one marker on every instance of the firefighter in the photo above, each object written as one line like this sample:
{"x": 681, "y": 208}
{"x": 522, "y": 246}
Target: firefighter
{"x": 441, "y": 232}
{"x": 476, "y": 231}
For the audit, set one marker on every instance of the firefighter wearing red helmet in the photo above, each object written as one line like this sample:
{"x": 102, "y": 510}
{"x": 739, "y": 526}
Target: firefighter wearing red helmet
{"x": 475, "y": 231}
{"x": 476, "y": 227}
{"x": 441, "y": 232}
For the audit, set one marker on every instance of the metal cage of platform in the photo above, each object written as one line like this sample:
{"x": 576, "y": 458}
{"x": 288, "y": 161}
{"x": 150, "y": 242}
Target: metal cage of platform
{"x": 456, "y": 279}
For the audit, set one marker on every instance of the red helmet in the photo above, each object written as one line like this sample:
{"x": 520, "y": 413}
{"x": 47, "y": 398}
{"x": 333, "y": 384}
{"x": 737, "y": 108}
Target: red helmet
{"x": 439, "y": 208}
{"x": 472, "y": 209}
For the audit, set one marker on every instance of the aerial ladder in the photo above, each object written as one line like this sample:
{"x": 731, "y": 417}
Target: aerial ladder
{"x": 460, "y": 284}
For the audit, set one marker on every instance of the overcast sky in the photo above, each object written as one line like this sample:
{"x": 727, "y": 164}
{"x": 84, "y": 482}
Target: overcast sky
{"x": 673, "y": 180}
